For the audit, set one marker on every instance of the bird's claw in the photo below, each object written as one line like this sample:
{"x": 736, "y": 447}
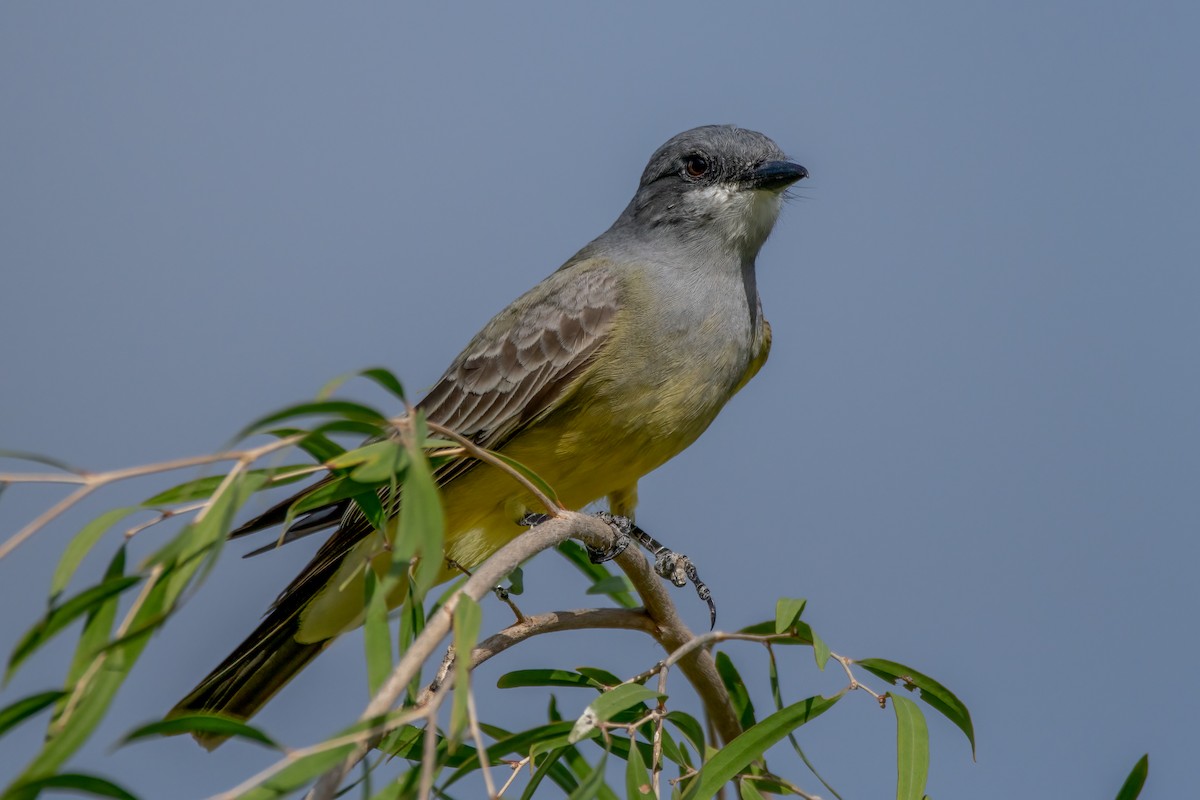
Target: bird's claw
{"x": 675, "y": 567}
{"x": 622, "y": 527}
{"x": 679, "y": 570}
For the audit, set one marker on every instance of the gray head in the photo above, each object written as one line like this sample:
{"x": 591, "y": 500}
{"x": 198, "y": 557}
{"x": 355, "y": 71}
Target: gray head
{"x": 717, "y": 186}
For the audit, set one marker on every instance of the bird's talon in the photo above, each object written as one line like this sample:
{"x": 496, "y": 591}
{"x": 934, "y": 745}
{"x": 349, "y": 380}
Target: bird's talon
{"x": 621, "y": 527}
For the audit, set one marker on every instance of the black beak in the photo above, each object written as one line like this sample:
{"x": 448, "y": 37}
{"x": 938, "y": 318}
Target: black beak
{"x": 777, "y": 175}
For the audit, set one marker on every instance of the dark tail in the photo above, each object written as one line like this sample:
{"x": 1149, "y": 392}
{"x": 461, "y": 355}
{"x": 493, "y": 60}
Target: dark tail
{"x": 252, "y": 674}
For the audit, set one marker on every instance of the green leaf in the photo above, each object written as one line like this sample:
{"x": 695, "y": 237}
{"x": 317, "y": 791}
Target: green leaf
{"x": 738, "y": 693}
{"x": 932, "y": 692}
{"x": 15, "y": 713}
{"x": 820, "y": 650}
{"x": 690, "y": 727}
{"x": 377, "y": 634}
{"x": 94, "y": 637}
{"x": 575, "y": 553}
{"x": 422, "y": 520}
{"x": 77, "y": 783}
{"x": 77, "y": 717}
{"x": 549, "y": 766}
{"x": 787, "y": 612}
{"x": 202, "y": 540}
{"x": 777, "y": 696}
{"x": 592, "y": 783}
{"x": 544, "y": 677}
{"x": 518, "y": 744}
{"x": 81, "y": 544}
{"x": 747, "y": 791}
{"x": 317, "y": 445}
{"x": 384, "y": 450}
{"x": 637, "y": 779}
{"x": 468, "y": 618}
{"x": 602, "y": 677}
{"x": 386, "y": 379}
{"x": 200, "y": 723}
{"x": 912, "y": 749}
{"x": 613, "y": 584}
{"x": 529, "y": 475}
{"x": 63, "y": 615}
{"x": 342, "y": 409}
{"x": 298, "y": 774}
{"x": 202, "y": 488}
{"x": 516, "y": 581}
{"x": 802, "y": 634}
{"x": 752, "y": 743}
{"x": 1136, "y": 780}
{"x": 607, "y": 705}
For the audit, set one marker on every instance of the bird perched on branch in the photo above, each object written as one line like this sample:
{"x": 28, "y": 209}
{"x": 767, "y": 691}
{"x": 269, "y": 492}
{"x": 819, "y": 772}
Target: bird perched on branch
{"x": 597, "y": 375}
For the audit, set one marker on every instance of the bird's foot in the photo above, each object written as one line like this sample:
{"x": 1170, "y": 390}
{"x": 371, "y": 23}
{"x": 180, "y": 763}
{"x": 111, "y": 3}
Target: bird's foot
{"x": 679, "y": 570}
{"x": 622, "y": 528}
{"x": 675, "y": 567}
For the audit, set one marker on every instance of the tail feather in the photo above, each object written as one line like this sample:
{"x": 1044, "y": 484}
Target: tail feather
{"x": 252, "y": 674}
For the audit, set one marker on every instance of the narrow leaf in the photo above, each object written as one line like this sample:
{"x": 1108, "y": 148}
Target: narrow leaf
{"x": 377, "y": 634}
{"x": 802, "y": 634}
{"x": 637, "y": 779}
{"x": 77, "y": 783}
{"x": 336, "y": 408}
{"x": 932, "y": 692}
{"x": 386, "y": 379}
{"x": 602, "y": 677}
{"x": 200, "y": 723}
{"x": 544, "y": 677}
{"x": 613, "y": 584}
{"x": 422, "y": 520}
{"x": 202, "y": 488}
{"x": 529, "y": 475}
{"x": 1136, "y": 780}
{"x": 591, "y": 784}
{"x": 615, "y": 700}
{"x": 787, "y": 612}
{"x": 298, "y": 774}
{"x": 820, "y": 650}
{"x": 912, "y": 749}
{"x": 15, "y": 713}
{"x": 575, "y": 553}
{"x": 317, "y": 445}
{"x": 81, "y": 544}
{"x": 468, "y": 618}
{"x": 61, "y": 616}
{"x": 752, "y": 743}
{"x": 747, "y": 791}
{"x": 738, "y": 693}
{"x": 609, "y": 704}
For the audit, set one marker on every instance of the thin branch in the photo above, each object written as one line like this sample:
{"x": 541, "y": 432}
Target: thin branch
{"x": 489, "y": 457}
{"x": 393, "y": 721}
{"x": 480, "y": 745}
{"x": 437, "y": 627}
{"x": 92, "y": 481}
{"x": 45, "y": 518}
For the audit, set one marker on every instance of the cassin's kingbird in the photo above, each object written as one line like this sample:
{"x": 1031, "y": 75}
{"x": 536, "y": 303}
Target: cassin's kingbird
{"x": 596, "y": 376}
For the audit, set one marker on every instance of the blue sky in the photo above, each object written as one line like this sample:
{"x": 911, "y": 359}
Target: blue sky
{"x": 975, "y": 448}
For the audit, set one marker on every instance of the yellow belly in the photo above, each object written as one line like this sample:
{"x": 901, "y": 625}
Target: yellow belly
{"x": 599, "y": 442}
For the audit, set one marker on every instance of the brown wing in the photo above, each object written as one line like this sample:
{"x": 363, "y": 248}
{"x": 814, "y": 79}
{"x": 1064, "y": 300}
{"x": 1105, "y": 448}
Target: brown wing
{"x": 518, "y": 368}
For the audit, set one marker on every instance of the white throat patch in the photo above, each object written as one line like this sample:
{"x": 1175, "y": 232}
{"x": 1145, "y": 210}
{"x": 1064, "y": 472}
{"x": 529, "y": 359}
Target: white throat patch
{"x": 743, "y": 217}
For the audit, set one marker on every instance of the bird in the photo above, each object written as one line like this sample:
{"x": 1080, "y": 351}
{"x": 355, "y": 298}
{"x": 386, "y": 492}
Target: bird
{"x": 603, "y": 371}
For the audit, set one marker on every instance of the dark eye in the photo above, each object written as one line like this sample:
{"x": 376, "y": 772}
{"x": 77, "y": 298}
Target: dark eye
{"x": 696, "y": 166}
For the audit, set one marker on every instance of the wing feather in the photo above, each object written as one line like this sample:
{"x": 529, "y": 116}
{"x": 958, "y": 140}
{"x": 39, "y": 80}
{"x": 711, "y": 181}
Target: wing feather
{"x": 521, "y": 366}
